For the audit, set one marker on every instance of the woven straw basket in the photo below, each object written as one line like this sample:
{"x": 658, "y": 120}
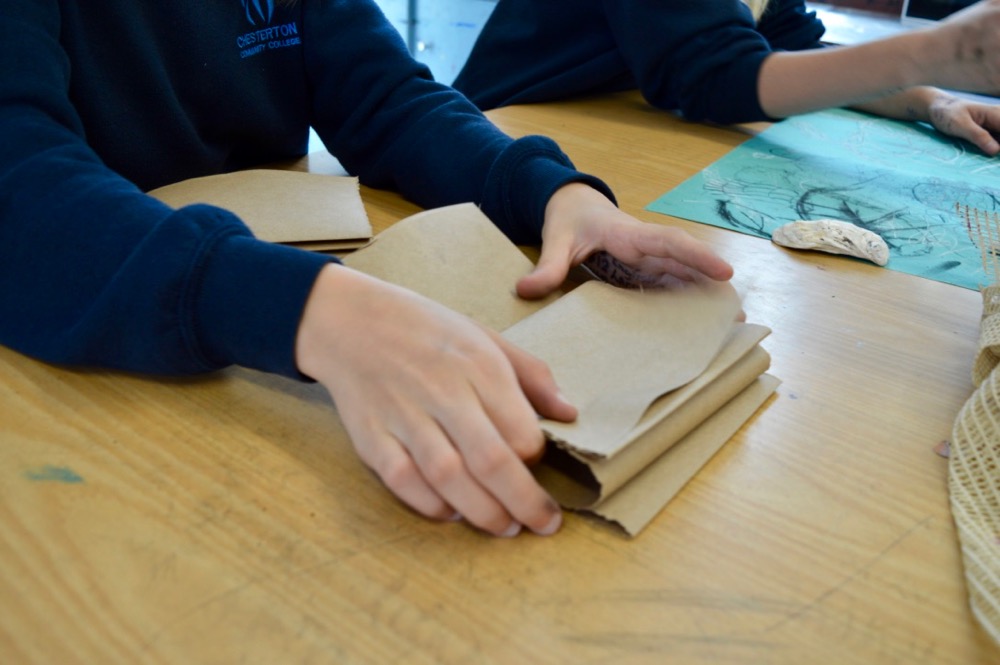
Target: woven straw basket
{"x": 974, "y": 473}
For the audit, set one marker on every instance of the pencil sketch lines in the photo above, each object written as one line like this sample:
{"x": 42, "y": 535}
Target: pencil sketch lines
{"x": 898, "y": 180}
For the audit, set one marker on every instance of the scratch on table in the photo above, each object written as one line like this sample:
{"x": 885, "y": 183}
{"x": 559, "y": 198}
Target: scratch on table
{"x": 661, "y": 643}
{"x": 819, "y": 600}
{"x": 280, "y": 577}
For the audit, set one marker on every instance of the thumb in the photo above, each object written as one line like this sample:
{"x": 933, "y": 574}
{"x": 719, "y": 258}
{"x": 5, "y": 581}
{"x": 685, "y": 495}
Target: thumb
{"x": 539, "y": 387}
{"x": 549, "y": 273}
{"x": 536, "y": 380}
{"x": 984, "y": 140}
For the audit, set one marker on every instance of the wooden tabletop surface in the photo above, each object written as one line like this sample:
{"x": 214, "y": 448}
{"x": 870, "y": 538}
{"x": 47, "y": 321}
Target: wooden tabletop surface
{"x": 225, "y": 518}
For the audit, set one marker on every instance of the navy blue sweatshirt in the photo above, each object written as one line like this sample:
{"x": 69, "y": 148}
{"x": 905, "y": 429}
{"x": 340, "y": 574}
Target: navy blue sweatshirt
{"x": 103, "y": 100}
{"x": 699, "y": 57}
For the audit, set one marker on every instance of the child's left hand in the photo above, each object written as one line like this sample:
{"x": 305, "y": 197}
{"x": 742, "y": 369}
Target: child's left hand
{"x": 583, "y": 226}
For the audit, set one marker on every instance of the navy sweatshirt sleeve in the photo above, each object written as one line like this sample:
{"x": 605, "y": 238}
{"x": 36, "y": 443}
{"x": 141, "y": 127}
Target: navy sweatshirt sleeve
{"x": 700, "y": 57}
{"x": 94, "y": 272}
{"x": 429, "y": 143}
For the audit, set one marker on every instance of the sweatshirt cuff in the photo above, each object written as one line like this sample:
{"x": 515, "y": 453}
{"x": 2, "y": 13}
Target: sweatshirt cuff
{"x": 523, "y": 179}
{"x": 248, "y": 302}
{"x": 741, "y": 84}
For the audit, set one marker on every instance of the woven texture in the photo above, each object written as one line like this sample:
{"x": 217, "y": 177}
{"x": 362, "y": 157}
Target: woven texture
{"x": 974, "y": 473}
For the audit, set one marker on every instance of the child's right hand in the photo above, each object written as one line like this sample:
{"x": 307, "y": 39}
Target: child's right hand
{"x": 443, "y": 410}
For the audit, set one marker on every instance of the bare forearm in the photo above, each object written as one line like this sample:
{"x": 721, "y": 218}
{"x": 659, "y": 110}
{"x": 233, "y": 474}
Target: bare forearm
{"x": 910, "y": 104}
{"x": 800, "y": 82}
{"x": 960, "y": 53}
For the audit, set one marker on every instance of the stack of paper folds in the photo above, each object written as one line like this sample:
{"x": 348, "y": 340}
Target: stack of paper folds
{"x": 662, "y": 378}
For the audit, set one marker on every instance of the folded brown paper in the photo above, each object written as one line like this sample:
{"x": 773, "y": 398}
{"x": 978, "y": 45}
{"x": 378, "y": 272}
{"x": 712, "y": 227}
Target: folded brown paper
{"x": 651, "y": 372}
{"x": 635, "y": 504}
{"x": 627, "y": 349}
{"x": 315, "y": 212}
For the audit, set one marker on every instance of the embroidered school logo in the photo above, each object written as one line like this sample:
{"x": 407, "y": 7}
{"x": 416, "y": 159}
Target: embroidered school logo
{"x": 259, "y": 12}
{"x": 265, "y": 37}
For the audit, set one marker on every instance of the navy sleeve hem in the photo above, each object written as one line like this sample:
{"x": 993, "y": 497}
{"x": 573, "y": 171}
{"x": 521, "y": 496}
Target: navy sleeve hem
{"x": 245, "y": 303}
{"x": 523, "y": 179}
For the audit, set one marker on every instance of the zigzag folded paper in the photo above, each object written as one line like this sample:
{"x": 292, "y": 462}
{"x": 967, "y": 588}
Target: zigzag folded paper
{"x": 662, "y": 378}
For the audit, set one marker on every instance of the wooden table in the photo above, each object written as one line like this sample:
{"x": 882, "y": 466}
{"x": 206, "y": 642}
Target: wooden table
{"x": 225, "y": 519}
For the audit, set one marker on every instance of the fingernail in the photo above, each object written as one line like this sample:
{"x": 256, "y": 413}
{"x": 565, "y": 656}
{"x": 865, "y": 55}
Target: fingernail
{"x": 512, "y": 530}
{"x": 552, "y": 526}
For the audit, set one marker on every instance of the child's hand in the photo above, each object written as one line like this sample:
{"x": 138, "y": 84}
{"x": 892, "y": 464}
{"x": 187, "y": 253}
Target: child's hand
{"x": 582, "y": 225}
{"x": 443, "y": 410}
{"x": 975, "y": 122}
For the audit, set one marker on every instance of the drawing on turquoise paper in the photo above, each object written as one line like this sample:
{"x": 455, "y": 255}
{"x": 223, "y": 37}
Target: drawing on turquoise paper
{"x": 901, "y": 180}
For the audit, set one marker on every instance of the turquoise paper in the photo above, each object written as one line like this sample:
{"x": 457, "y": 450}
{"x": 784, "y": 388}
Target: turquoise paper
{"x": 902, "y": 180}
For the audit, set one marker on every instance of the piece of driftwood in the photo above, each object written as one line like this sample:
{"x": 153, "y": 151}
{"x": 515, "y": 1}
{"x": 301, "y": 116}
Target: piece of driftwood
{"x": 833, "y": 236}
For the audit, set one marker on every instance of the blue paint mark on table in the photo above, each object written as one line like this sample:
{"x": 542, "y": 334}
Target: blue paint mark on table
{"x": 54, "y": 474}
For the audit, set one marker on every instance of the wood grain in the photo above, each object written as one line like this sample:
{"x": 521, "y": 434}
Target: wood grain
{"x": 225, "y": 518}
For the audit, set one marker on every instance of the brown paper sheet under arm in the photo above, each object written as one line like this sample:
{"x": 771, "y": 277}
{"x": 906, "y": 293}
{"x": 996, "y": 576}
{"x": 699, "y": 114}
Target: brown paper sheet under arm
{"x": 308, "y": 210}
{"x": 596, "y": 480}
{"x": 457, "y": 257}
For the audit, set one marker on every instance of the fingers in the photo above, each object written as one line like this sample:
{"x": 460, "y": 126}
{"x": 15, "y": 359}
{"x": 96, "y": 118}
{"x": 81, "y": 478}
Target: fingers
{"x": 458, "y": 446}
{"x": 983, "y": 140}
{"x": 975, "y": 123}
{"x": 632, "y": 266}
{"x": 460, "y": 480}
{"x": 460, "y": 465}
{"x": 634, "y": 255}
{"x": 537, "y": 383}
{"x": 550, "y": 272}
{"x": 983, "y": 123}
{"x": 496, "y": 440}
{"x": 580, "y": 223}
{"x": 673, "y": 244}
{"x": 539, "y": 387}
{"x": 397, "y": 471}
{"x": 609, "y": 269}
{"x": 494, "y": 484}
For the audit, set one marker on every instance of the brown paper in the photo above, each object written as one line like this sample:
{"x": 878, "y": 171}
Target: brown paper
{"x": 315, "y": 212}
{"x": 615, "y": 351}
{"x": 637, "y": 503}
{"x": 647, "y": 370}
{"x": 736, "y": 367}
{"x": 456, "y": 256}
